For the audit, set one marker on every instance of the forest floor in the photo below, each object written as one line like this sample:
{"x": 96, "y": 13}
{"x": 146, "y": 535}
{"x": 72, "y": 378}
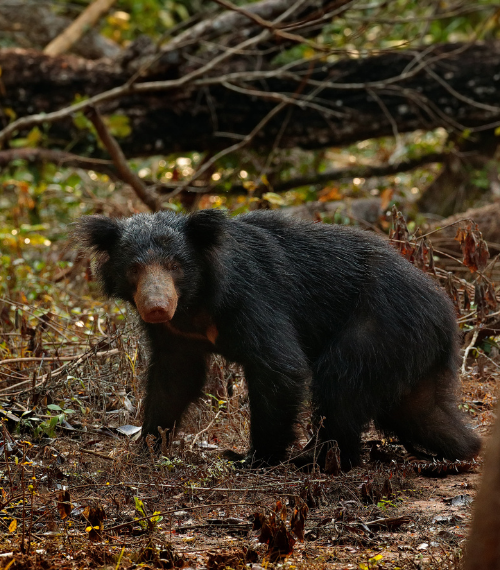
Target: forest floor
{"x": 78, "y": 491}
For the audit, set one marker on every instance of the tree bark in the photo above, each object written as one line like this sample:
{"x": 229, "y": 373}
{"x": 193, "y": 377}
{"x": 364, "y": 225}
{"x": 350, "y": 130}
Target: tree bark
{"x": 330, "y": 104}
{"x": 486, "y": 217}
{"x": 455, "y": 188}
{"x": 483, "y": 545}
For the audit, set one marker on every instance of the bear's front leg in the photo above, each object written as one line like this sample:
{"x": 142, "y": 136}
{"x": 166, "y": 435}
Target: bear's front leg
{"x": 176, "y": 375}
{"x": 276, "y": 394}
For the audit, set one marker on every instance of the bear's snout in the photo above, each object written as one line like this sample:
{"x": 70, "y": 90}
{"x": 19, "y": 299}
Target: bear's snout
{"x": 156, "y": 296}
{"x": 157, "y": 314}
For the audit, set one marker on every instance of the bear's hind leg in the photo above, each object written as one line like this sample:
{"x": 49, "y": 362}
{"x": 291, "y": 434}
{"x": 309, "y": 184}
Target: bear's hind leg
{"x": 429, "y": 417}
{"x": 348, "y": 389}
{"x": 336, "y": 420}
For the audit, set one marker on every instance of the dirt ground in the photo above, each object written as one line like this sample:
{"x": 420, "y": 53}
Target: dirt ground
{"x": 79, "y": 492}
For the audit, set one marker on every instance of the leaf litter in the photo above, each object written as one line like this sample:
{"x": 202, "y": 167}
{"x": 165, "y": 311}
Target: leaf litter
{"x": 78, "y": 490}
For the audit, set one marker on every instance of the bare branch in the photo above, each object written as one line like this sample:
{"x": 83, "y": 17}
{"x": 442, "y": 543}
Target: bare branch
{"x": 266, "y": 24}
{"x": 58, "y": 157}
{"x": 230, "y": 149}
{"x": 35, "y": 23}
{"x": 358, "y": 171}
{"x": 120, "y": 161}
{"x": 335, "y": 107}
{"x": 123, "y": 90}
{"x": 79, "y": 27}
{"x": 270, "y": 11}
{"x": 54, "y": 358}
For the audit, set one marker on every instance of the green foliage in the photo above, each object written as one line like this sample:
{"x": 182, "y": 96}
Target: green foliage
{"x": 171, "y": 463}
{"x": 217, "y": 470}
{"x": 404, "y": 23}
{"x": 48, "y": 426}
{"x": 32, "y": 139}
{"x": 154, "y": 18}
{"x": 37, "y": 205}
{"x": 218, "y": 403}
{"x": 373, "y": 562}
{"x": 151, "y": 523}
{"x": 118, "y": 126}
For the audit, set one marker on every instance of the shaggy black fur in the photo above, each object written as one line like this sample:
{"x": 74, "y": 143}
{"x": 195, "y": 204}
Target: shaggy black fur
{"x": 296, "y": 304}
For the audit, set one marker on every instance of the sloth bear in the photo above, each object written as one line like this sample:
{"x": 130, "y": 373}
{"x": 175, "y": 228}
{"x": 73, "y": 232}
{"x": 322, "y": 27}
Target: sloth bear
{"x": 302, "y": 307}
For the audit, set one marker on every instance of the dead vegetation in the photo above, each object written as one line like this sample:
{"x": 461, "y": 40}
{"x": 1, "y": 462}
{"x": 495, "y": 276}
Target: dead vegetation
{"x": 78, "y": 490}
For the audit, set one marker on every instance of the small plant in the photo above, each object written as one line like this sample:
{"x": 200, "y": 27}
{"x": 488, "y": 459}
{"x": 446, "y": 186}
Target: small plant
{"x": 151, "y": 522}
{"x": 217, "y": 402}
{"x": 217, "y": 470}
{"x": 384, "y": 503}
{"x": 372, "y": 563}
{"x": 171, "y": 464}
{"x": 48, "y": 426}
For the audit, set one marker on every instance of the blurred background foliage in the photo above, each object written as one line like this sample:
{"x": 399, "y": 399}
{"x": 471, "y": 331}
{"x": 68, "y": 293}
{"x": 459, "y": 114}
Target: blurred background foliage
{"x": 39, "y": 202}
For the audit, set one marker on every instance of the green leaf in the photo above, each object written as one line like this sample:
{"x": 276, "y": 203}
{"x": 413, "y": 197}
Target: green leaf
{"x": 273, "y": 198}
{"x": 53, "y": 422}
{"x": 156, "y": 518}
{"x": 139, "y": 506}
{"x": 34, "y": 137}
{"x": 119, "y": 125}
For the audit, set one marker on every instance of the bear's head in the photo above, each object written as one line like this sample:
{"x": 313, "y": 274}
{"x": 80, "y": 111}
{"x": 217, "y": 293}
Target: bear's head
{"x": 155, "y": 261}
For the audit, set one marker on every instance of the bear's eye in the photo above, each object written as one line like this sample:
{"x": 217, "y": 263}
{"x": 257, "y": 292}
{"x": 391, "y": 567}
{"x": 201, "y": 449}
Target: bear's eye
{"x": 175, "y": 267}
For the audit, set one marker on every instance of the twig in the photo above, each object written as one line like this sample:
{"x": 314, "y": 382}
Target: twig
{"x": 198, "y": 78}
{"x": 101, "y": 455}
{"x": 232, "y": 148}
{"x": 78, "y": 28}
{"x": 266, "y": 24}
{"x": 186, "y": 508}
{"x": 23, "y": 491}
{"x": 219, "y": 524}
{"x": 120, "y": 161}
{"x": 451, "y": 224}
{"x": 205, "y": 429}
{"x": 298, "y": 100}
{"x": 388, "y": 116}
{"x": 232, "y": 20}
{"x": 54, "y": 358}
{"x": 6, "y": 453}
{"x": 79, "y": 360}
{"x": 467, "y": 350}
{"x": 59, "y": 157}
{"x": 459, "y": 96}
{"x": 32, "y": 490}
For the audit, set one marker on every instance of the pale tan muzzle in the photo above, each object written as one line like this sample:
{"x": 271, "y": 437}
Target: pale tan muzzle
{"x": 156, "y": 297}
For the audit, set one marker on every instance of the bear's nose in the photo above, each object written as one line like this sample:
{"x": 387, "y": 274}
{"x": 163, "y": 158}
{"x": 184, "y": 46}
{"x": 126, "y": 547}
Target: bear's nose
{"x": 156, "y": 313}
{"x": 156, "y": 296}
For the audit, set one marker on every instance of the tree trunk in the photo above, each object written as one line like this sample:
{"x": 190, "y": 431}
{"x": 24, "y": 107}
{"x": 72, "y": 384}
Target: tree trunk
{"x": 455, "y": 188}
{"x": 456, "y": 88}
{"x": 483, "y": 545}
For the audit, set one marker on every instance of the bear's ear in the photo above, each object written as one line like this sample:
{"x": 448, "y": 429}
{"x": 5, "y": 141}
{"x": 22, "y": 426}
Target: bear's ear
{"x": 205, "y": 229}
{"x": 96, "y": 233}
